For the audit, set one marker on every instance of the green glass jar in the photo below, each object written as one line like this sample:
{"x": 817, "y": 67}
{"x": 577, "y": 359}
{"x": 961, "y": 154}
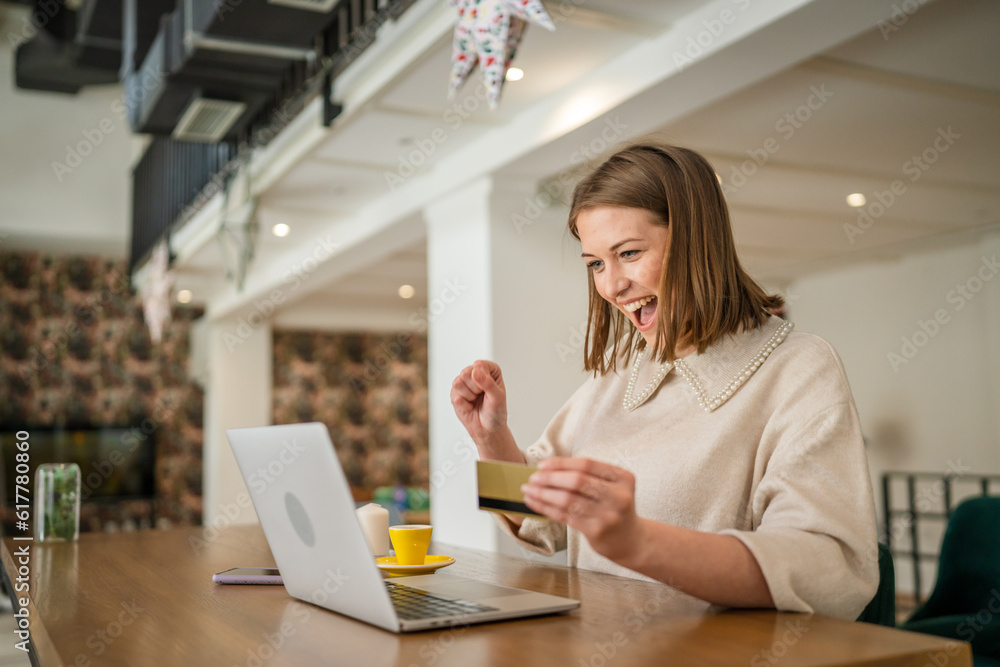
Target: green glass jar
{"x": 57, "y": 502}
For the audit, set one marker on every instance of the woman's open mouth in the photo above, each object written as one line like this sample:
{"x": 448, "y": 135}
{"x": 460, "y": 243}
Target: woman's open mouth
{"x": 642, "y": 312}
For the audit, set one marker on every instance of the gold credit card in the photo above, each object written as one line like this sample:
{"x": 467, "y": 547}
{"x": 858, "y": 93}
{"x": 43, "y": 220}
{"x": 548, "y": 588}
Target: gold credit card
{"x": 500, "y": 487}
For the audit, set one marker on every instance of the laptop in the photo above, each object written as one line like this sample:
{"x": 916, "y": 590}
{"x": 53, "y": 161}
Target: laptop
{"x": 308, "y": 516}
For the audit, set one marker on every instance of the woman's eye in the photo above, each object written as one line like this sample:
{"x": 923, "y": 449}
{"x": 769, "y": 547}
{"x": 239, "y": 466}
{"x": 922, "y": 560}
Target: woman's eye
{"x": 594, "y": 264}
{"x": 630, "y": 253}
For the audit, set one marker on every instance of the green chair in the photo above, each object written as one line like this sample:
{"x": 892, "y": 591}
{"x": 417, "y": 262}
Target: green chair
{"x": 882, "y": 609}
{"x": 965, "y": 603}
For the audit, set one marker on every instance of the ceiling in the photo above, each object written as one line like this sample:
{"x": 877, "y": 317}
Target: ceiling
{"x": 84, "y": 209}
{"x": 883, "y": 100}
{"x": 930, "y": 87}
{"x": 892, "y": 96}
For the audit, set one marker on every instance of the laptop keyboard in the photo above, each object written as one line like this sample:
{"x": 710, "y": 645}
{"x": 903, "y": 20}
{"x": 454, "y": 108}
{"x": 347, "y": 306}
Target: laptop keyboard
{"x": 413, "y": 603}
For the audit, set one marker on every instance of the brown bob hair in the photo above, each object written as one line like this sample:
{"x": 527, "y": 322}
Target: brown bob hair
{"x": 712, "y": 295}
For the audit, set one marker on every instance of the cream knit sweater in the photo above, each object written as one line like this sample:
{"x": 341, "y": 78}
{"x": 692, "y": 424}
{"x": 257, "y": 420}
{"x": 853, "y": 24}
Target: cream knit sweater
{"x": 778, "y": 462}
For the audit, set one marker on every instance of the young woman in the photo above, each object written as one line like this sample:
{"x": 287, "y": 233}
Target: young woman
{"x": 713, "y": 449}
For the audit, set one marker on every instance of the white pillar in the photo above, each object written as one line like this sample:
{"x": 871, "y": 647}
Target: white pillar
{"x": 507, "y": 291}
{"x": 459, "y": 288}
{"x": 237, "y": 395}
{"x": 990, "y": 247}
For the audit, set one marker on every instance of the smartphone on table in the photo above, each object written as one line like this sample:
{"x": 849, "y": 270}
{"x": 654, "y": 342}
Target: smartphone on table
{"x": 248, "y": 575}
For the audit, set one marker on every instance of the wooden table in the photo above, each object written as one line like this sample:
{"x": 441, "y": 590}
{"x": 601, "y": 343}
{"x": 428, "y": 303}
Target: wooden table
{"x": 146, "y": 598}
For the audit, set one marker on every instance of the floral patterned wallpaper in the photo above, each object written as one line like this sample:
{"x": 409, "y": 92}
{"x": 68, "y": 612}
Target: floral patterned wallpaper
{"x": 75, "y": 352}
{"x": 370, "y": 390}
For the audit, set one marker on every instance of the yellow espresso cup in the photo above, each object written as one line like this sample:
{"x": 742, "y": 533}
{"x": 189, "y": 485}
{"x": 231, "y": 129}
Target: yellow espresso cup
{"x": 410, "y": 542}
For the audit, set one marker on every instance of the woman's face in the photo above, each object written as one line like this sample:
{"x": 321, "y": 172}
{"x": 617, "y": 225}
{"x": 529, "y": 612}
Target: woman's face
{"x": 624, "y": 250}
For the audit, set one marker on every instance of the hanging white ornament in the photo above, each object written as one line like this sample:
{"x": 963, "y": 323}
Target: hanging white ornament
{"x": 487, "y": 34}
{"x": 156, "y": 291}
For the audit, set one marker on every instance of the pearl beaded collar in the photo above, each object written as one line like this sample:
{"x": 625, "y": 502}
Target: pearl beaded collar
{"x": 709, "y": 404}
{"x": 631, "y": 401}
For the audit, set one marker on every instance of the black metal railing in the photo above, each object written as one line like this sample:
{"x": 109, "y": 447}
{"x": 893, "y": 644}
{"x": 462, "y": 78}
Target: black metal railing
{"x": 173, "y": 178}
{"x": 928, "y": 498}
{"x": 355, "y": 27}
{"x": 167, "y": 178}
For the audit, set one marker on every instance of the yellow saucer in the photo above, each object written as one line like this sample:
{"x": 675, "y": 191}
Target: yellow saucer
{"x": 431, "y": 563}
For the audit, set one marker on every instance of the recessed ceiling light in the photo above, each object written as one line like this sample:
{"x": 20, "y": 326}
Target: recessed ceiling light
{"x": 515, "y": 74}
{"x": 406, "y": 291}
{"x": 184, "y": 296}
{"x": 281, "y": 230}
{"x": 856, "y": 199}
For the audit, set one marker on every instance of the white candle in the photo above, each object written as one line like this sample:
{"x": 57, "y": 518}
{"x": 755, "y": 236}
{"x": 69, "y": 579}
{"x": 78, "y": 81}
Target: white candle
{"x": 374, "y": 520}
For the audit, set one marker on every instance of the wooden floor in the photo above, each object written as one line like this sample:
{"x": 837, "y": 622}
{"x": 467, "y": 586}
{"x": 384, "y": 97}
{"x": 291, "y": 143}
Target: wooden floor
{"x": 13, "y": 657}
{"x": 10, "y": 656}
{"x": 905, "y": 605}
